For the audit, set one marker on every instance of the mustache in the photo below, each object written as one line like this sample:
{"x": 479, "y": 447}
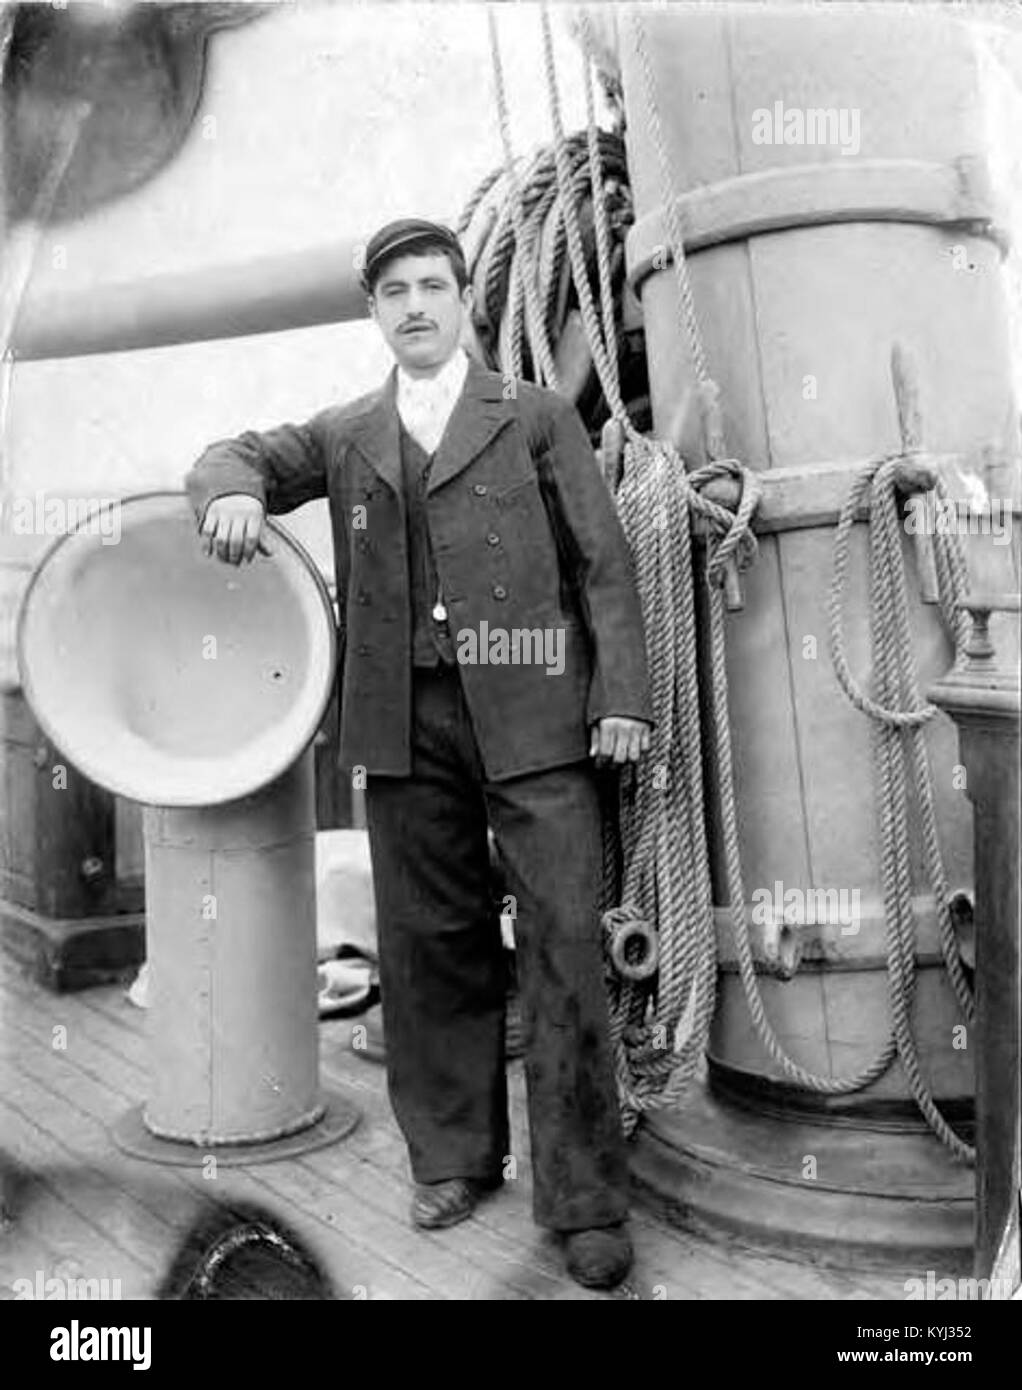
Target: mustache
{"x": 416, "y": 323}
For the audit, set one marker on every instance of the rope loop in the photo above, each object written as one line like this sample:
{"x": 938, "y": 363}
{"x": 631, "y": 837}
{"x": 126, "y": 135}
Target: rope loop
{"x": 878, "y": 478}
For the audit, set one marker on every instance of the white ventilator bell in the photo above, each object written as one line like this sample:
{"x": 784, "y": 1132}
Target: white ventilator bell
{"x": 196, "y": 687}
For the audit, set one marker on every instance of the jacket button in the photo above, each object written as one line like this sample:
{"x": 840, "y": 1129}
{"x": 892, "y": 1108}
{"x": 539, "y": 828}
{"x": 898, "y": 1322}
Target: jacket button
{"x": 493, "y": 539}
{"x": 363, "y": 597}
{"x": 499, "y": 591}
{"x": 363, "y": 650}
{"x": 363, "y": 546}
{"x": 480, "y": 489}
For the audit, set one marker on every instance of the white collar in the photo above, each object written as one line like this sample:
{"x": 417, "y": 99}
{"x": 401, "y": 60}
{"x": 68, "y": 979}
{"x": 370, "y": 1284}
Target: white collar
{"x": 445, "y": 385}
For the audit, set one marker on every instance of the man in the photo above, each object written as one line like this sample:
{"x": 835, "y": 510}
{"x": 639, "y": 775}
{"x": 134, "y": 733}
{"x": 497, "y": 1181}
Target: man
{"x": 492, "y": 653}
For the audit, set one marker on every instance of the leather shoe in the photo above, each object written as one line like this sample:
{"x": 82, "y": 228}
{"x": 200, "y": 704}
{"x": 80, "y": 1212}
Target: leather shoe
{"x": 439, "y": 1204}
{"x": 598, "y": 1258}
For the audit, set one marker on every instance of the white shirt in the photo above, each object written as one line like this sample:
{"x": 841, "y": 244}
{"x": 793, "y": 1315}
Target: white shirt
{"x": 425, "y": 404}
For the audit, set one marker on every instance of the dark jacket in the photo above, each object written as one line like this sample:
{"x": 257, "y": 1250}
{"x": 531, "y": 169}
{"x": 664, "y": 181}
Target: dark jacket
{"x": 524, "y": 535}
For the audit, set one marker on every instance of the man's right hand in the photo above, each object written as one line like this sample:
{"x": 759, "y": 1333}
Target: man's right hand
{"x": 233, "y": 528}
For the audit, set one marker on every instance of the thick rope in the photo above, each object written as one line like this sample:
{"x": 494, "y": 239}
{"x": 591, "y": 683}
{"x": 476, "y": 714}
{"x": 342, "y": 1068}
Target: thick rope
{"x": 600, "y": 216}
{"x": 599, "y": 344}
{"x": 497, "y": 251}
{"x": 675, "y": 229}
{"x": 950, "y": 563}
{"x": 666, "y": 877}
{"x": 468, "y": 212}
{"x": 537, "y": 331}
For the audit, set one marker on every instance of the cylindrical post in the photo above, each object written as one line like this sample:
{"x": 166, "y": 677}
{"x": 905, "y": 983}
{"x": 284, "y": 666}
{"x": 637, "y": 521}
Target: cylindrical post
{"x": 230, "y": 897}
{"x": 804, "y": 266}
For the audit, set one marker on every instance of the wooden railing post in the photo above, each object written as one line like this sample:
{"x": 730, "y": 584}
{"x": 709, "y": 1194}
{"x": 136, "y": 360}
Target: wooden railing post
{"x": 982, "y": 697}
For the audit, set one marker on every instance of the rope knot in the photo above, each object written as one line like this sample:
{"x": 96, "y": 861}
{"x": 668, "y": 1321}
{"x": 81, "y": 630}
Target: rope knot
{"x": 731, "y": 530}
{"x": 648, "y": 1059}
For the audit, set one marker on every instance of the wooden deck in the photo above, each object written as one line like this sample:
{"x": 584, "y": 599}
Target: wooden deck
{"x": 73, "y": 1199}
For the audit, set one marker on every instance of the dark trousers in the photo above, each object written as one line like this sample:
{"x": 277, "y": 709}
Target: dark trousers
{"x": 443, "y": 977}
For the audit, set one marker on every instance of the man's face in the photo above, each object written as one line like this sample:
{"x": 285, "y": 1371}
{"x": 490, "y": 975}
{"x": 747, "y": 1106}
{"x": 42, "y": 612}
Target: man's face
{"x": 420, "y": 310}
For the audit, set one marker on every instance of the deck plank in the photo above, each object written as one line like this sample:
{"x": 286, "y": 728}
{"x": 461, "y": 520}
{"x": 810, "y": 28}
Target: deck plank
{"x": 351, "y": 1252}
{"x": 108, "y": 1047}
{"x": 139, "y": 1219}
{"x": 471, "y": 1253}
{"x": 502, "y": 1224}
{"x": 53, "y": 1205}
{"x": 96, "y": 1101}
{"x": 187, "y": 1191}
{"x": 348, "y": 1202}
{"x": 691, "y": 1273}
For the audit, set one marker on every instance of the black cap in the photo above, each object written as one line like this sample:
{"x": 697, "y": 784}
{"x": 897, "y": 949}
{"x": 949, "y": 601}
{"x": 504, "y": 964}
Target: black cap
{"x": 389, "y": 240}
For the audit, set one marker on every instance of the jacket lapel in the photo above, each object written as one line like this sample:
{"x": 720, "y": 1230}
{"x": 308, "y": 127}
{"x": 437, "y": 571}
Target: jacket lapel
{"x": 376, "y": 435}
{"x": 481, "y": 412}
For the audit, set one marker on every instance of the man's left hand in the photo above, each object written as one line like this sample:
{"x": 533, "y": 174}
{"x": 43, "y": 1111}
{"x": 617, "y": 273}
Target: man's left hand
{"x": 618, "y": 740}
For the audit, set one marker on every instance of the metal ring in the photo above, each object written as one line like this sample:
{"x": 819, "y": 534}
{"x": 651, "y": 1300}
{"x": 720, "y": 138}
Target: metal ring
{"x": 621, "y": 937}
